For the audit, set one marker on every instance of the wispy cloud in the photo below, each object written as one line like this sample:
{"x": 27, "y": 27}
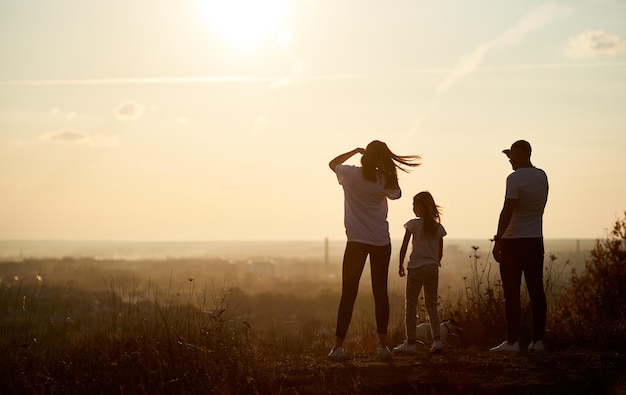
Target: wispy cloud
{"x": 298, "y": 73}
{"x": 521, "y": 66}
{"x": 139, "y": 81}
{"x": 129, "y": 111}
{"x": 471, "y": 62}
{"x": 297, "y": 70}
{"x": 68, "y": 116}
{"x": 67, "y": 136}
{"x": 594, "y": 43}
{"x": 616, "y": 3}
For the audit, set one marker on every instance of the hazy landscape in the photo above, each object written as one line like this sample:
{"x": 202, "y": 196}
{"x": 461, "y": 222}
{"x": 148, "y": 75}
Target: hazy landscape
{"x": 181, "y": 316}
{"x": 257, "y": 266}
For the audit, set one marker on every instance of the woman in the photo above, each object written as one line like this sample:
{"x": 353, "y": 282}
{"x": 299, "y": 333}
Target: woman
{"x": 366, "y": 190}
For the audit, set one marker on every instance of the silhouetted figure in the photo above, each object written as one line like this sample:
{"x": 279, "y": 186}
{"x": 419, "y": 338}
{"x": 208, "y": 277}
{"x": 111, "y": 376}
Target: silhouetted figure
{"x": 423, "y": 269}
{"x": 366, "y": 190}
{"x": 519, "y": 245}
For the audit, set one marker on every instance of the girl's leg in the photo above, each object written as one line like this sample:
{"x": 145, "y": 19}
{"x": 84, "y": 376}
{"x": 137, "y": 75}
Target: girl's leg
{"x": 353, "y": 262}
{"x": 413, "y": 288}
{"x": 379, "y": 267}
{"x": 431, "y": 286}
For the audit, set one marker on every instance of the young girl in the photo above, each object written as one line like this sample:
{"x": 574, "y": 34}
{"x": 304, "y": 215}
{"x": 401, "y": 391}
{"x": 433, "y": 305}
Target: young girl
{"x": 423, "y": 268}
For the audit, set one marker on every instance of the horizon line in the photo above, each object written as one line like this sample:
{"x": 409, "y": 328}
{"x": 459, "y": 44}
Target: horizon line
{"x": 103, "y": 240}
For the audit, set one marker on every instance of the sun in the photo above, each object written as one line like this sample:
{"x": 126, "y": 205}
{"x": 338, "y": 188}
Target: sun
{"x": 245, "y": 23}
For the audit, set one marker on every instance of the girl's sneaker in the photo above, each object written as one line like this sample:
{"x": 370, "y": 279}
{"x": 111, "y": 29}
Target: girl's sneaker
{"x": 336, "y": 354}
{"x": 506, "y": 347}
{"x": 383, "y": 353}
{"x": 406, "y": 348}
{"x": 536, "y": 346}
{"x": 437, "y": 347}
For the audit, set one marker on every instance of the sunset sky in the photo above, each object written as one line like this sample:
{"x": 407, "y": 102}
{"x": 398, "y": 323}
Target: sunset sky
{"x": 206, "y": 120}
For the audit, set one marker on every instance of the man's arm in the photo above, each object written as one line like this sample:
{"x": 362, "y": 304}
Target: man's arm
{"x": 505, "y": 219}
{"x": 505, "y": 216}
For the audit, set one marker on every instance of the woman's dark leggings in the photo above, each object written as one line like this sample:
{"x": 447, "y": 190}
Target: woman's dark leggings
{"x": 354, "y": 259}
{"x": 523, "y": 256}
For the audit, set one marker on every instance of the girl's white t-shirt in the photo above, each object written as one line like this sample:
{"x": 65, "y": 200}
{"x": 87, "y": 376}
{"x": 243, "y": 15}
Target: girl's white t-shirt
{"x": 425, "y": 249}
{"x": 365, "y": 206}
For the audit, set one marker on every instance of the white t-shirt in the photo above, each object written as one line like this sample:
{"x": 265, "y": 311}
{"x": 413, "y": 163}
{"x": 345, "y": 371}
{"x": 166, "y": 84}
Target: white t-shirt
{"x": 425, "y": 250}
{"x": 365, "y": 206}
{"x": 529, "y": 185}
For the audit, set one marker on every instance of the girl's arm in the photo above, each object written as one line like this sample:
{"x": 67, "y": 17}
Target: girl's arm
{"x": 403, "y": 249}
{"x": 344, "y": 157}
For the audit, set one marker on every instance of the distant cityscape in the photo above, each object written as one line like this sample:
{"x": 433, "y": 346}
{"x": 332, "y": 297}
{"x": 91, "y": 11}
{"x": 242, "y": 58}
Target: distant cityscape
{"x": 257, "y": 260}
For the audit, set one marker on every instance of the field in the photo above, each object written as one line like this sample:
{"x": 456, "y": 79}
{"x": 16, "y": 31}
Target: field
{"x": 197, "y": 326}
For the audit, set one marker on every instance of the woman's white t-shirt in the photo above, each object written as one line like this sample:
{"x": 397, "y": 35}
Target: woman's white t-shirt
{"x": 365, "y": 206}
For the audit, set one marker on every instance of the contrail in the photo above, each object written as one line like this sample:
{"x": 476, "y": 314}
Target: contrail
{"x": 537, "y": 18}
{"x": 471, "y": 62}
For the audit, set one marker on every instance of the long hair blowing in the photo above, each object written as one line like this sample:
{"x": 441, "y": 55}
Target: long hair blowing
{"x": 430, "y": 210}
{"x": 379, "y": 160}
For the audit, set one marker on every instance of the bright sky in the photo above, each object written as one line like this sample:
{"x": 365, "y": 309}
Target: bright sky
{"x": 176, "y": 120}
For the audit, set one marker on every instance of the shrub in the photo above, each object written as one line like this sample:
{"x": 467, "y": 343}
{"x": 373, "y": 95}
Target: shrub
{"x": 594, "y": 308}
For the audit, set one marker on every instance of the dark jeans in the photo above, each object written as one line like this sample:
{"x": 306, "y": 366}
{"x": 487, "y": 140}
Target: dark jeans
{"x": 354, "y": 259}
{"x": 523, "y": 256}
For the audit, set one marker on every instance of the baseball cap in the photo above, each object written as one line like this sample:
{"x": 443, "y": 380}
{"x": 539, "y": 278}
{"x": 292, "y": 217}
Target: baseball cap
{"x": 519, "y": 145}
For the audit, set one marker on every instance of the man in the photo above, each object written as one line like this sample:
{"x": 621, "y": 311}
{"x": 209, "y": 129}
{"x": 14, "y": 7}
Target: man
{"x": 519, "y": 245}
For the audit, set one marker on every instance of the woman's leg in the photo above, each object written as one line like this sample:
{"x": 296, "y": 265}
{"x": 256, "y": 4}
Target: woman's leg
{"x": 353, "y": 262}
{"x": 379, "y": 267}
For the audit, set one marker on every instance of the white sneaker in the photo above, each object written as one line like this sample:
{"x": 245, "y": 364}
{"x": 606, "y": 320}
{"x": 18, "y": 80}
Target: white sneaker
{"x": 437, "y": 347}
{"x": 406, "y": 348}
{"x": 383, "y": 352}
{"x": 536, "y": 346}
{"x": 336, "y": 354}
{"x": 506, "y": 347}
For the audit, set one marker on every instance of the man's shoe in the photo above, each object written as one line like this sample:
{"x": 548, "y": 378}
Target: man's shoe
{"x": 406, "y": 348}
{"x": 336, "y": 354}
{"x": 383, "y": 352}
{"x": 536, "y": 346}
{"x": 437, "y": 347}
{"x": 506, "y": 347}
